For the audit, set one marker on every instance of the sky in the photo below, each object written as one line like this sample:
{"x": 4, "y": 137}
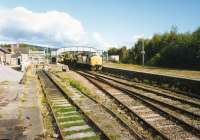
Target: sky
{"x": 97, "y": 23}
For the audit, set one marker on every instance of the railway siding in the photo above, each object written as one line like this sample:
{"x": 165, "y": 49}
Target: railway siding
{"x": 99, "y": 115}
{"x": 186, "y": 117}
{"x": 182, "y": 105}
{"x": 175, "y": 83}
{"x": 188, "y": 99}
{"x": 188, "y": 108}
{"x": 121, "y": 115}
{"x": 153, "y": 118}
{"x": 71, "y": 124}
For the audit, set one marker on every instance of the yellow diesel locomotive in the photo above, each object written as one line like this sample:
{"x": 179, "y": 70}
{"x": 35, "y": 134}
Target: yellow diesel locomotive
{"x": 92, "y": 62}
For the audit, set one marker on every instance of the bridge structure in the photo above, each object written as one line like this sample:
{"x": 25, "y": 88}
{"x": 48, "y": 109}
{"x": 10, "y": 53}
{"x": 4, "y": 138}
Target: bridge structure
{"x": 74, "y": 50}
{"x": 77, "y": 49}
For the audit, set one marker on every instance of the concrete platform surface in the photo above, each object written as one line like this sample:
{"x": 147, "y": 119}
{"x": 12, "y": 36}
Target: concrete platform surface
{"x": 20, "y": 115}
{"x": 9, "y": 74}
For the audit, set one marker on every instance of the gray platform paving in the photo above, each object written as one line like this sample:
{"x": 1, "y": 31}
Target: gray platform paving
{"x": 9, "y": 74}
{"x": 20, "y": 117}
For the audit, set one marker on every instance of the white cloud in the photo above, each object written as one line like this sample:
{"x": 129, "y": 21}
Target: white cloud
{"x": 130, "y": 42}
{"x": 53, "y": 28}
{"x": 99, "y": 41}
{"x": 137, "y": 37}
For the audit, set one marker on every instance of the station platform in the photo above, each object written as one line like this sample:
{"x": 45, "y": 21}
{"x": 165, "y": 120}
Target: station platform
{"x": 179, "y": 73}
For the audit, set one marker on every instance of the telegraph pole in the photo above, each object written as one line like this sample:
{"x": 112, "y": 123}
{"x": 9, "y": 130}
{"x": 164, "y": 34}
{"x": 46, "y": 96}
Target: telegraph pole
{"x": 47, "y": 55}
{"x": 143, "y": 52}
{"x": 106, "y": 56}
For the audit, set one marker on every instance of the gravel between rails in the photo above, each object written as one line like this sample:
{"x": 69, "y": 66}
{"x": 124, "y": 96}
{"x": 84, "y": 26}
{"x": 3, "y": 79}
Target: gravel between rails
{"x": 192, "y": 105}
{"x": 184, "y": 97}
{"x": 103, "y": 119}
{"x": 66, "y": 122}
{"x": 191, "y": 118}
{"x": 178, "y": 134}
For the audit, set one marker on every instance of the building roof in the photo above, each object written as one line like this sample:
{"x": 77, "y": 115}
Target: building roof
{"x": 4, "y": 50}
{"x": 15, "y": 55}
{"x": 21, "y": 50}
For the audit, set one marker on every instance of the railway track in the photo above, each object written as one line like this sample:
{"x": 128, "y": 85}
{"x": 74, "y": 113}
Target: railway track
{"x": 188, "y": 109}
{"x": 187, "y": 98}
{"x": 182, "y": 94}
{"x": 118, "y": 114}
{"x": 151, "y": 112}
{"x": 71, "y": 124}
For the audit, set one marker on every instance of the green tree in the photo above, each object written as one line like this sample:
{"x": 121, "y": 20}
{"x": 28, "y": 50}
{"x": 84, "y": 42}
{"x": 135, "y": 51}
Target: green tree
{"x": 170, "y": 49}
{"x": 196, "y": 45}
{"x": 113, "y": 51}
{"x": 123, "y": 54}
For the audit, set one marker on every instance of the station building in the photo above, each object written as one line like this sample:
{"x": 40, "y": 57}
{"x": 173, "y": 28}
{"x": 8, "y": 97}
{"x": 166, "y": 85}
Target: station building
{"x": 37, "y": 57}
{"x": 3, "y": 54}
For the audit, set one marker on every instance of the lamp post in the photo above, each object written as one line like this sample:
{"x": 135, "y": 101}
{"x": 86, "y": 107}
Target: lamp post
{"x": 47, "y": 54}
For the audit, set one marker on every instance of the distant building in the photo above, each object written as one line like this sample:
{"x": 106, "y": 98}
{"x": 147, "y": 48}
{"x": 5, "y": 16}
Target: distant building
{"x": 16, "y": 59}
{"x": 36, "y": 57}
{"x": 25, "y": 61}
{"x": 54, "y": 53}
{"x": 8, "y": 58}
{"x": 14, "y": 48}
{"x": 113, "y": 58}
{"x": 3, "y": 53}
{"x": 53, "y": 57}
{"x": 21, "y": 56}
{"x": 17, "y": 55}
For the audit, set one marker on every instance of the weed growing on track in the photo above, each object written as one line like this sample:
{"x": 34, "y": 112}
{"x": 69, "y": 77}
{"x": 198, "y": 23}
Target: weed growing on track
{"x": 74, "y": 118}
{"x": 75, "y": 84}
{"x": 74, "y": 131}
{"x": 66, "y": 109}
{"x": 74, "y": 124}
{"x": 66, "y": 80}
{"x": 69, "y": 113}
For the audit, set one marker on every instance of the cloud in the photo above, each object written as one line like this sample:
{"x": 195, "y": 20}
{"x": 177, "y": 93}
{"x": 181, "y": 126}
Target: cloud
{"x": 137, "y": 37}
{"x": 99, "y": 41}
{"x": 53, "y": 28}
{"x": 130, "y": 42}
